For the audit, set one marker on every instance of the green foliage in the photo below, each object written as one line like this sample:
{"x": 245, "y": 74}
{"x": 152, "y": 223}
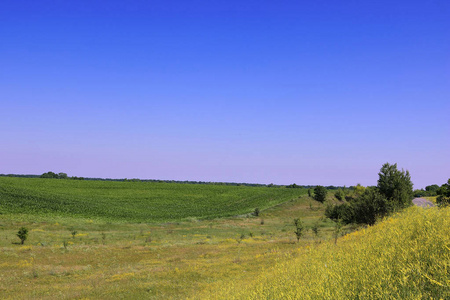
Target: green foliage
{"x": 256, "y": 212}
{"x": 337, "y": 230}
{"x": 310, "y": 192}
{"x": 432, "y": 188}
{"x": 429, "y": 191}
{"x": 420, "y": 193}
{"x": 444, "y": 195}
{"x": 343, "y": 212}
{"x": 135, "y": 201}
{"x": 320, "y": 193}
{"x": 395, "y": 186}
{"x": 22, "y": 234}
{"x": 49, "y": 175}
{"x": 54, "y": 175}
{"x": 369, "y": 207}
{"x": 315, "y": 228}
{"x": 299, "y": 227}
{"x": 394, "y": 191}
{"x": 339, "y": 194}
{"x": 359, "y": 190}
{"x": 293, "y": 186}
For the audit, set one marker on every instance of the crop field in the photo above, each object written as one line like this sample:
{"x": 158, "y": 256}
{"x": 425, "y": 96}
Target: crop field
{"x": 135, "y": 201}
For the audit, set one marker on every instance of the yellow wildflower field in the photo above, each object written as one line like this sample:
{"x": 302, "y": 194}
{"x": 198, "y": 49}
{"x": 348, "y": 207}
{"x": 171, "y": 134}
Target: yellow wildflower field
{"x": 407, "y": 256}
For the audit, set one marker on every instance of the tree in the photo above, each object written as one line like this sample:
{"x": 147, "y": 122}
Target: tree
{"x": 444, "y": 194}
{"x": 432, "y": 188}
{"x": 62, "y": 175}
{"x": 22, "y": 234}
{"x": 370, "y": 206}
{"x": 49, "y": 175}
{"x": 315, "y": 228}
{"x": 293, "y": 186}
{"x": 395, "y": 186}
{"x": 298, "y": 229}
{"x": 320, "y": 193}
{"x": 359, "y": 190}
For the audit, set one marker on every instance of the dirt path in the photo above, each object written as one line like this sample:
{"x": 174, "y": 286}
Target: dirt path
{"x": 422, "y": 202}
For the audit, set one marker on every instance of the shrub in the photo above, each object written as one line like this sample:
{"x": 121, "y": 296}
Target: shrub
{"x": 340, "y": 195}
{"x": 22, "y": 234}
{"x": 370, "y": 206}
{"x": 444, "y": 194}
{"x": 320, "y": 193}
{"x": 343, "y": 212}
{"x": 359, "y": 190}
{"x": 337, "y": 230}
{"x": 256, "y": 212}
{"x": 298, "y": 229}
{"x": 315, "y": 228}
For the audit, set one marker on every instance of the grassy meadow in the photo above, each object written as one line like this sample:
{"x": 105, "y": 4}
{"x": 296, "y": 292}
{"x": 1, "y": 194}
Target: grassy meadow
{"x": 407, "y": 256}
{"x": 130, "y": 256}
{"x": 109, "y": 240}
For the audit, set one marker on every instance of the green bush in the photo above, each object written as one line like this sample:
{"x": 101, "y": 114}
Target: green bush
{"x": 343, "y": 212}
{"x": 444, "y": 194}
{"x": 22, "y": 234}
{"x": 298, "y": 229}
{"x": 320, "y": 193}
{"x": 370, "y": 206}
{"x": 340, "y": 195}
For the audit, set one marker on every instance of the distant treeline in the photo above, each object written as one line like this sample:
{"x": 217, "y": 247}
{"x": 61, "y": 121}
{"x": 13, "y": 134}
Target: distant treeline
{"x": 429, "y": 191}
{"x": 62, "y": 175}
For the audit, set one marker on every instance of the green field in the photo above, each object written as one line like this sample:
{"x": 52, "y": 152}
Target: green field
{"x": 135, "y": 201}
{"x": 141, "y": 240}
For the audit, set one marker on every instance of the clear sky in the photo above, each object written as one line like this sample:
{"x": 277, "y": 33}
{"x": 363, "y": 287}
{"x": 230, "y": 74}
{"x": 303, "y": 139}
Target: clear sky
{"x": 311, "y": 92}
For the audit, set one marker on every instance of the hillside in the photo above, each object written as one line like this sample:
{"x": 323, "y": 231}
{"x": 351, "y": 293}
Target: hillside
{"x": 70, "y": 257}
{"x": 404, "y": 257}
{"x": 135, "y": 201}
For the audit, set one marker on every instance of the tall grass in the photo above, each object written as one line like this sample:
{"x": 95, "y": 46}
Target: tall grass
{"x": 406, "y": 256}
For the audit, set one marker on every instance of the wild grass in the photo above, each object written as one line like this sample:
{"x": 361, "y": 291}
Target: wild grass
{"x": 109, "y": 259}
{"x": 406, "y": 256}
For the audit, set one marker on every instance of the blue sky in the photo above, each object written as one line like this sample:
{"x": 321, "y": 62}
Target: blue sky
{"x": 311, "y": 92}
